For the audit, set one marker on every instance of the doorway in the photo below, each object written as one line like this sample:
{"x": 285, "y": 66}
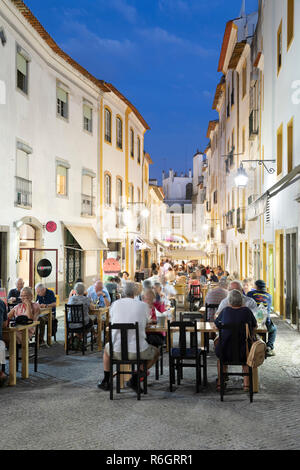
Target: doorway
{"x": 271, "y": 271}
{"x": 73, "y": 262}
{"x": 291, "y": 301}
{"x": 279, "y": 273}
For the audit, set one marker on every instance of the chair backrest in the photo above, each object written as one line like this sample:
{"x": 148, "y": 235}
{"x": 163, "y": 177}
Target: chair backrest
{"x": 74, "y": 314}
{"x": 197, "y": 316}
{"x": 123, "y": 329}
{"x": 233, "y": 345}
{"x": 209, "y": 308}
{"x": 195, "y": 291}
{"x": 183, "y": 326}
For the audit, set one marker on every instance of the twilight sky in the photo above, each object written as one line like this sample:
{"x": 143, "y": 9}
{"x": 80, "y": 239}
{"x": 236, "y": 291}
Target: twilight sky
{"x": 161, "y": 54}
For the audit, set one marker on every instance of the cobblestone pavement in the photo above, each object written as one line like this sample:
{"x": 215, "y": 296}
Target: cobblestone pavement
{"x": 60, "y": 407}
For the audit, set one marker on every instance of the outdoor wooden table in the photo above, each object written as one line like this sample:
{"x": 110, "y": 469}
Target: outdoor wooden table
{"x": 99, "y": 312}
{"x": 11, "y": 332}
{"x": 48, "y": 312}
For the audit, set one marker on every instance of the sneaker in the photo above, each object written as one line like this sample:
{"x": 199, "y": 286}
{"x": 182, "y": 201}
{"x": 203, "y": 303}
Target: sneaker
{"x": 103, "y": 386}
{"x": 270, "y": 352}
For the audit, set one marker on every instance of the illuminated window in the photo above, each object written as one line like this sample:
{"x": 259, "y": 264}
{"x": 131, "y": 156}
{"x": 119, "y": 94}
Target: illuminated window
{"x": 279, "y": 48}
{"x": 279, "y": 150}
{"x": 87, "y": 118}
{"x": 290, "y": 145}
{"x": 107, "y": 189}
{"x": 132, "y": 143}
{"x": 61, "y": 180}
{"x": 290, "y": 22}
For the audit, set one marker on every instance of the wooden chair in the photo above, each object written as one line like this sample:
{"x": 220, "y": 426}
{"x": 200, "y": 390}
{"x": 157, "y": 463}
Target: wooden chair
{"x": 123, "y": 329}
{"x": 237, "y": 346}
{"x": 207, "y": 313}
{"x": 179, "y": 356}
{"x": 74, "y": 315}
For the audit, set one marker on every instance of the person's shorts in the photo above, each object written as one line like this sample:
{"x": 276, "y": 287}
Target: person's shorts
{"x": 146, "y": 355}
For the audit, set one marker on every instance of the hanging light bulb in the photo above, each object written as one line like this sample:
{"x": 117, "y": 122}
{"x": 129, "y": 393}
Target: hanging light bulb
{"x": 241, "y": 180}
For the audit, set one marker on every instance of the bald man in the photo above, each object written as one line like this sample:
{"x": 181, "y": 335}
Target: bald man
{"x": 247, "y": 301}
{"x": 99, "y": 294}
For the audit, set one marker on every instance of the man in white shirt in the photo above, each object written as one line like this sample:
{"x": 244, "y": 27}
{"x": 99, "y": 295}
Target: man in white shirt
{"x": 129, "y": 310}
{"x": 247, "y": 301}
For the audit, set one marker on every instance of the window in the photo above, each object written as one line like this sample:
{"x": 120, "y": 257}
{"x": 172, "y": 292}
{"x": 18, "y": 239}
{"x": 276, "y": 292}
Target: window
{"x": 139, "y": 150}
{"x": 279, "y": 150}
{"x": 244, "y": 79}
{"x": 130, "y": 193}
{"x": 119, "y": 191}
{"x": 22, "y": 73}
{"x": 87, "y": 197}
{"x": 290, "y": 144}
{"x": 290, "y": 22}
{"x": 279, "y": 48}
{"x": 107, "y": 189}
{"x": 138, "y": 195}
{"x": 175, "y": 222}
{"x": 119, "y": 133}
{"x": 62, "y": 103}
{"x": 61, "y": 180}
{"x": 132, "y": 143}
{"x": 23, "y": 185}
{"x": 107, "y": 114}
{"x": 87, "y": 118}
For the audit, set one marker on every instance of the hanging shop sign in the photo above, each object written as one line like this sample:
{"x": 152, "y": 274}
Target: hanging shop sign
{"x": 44, "y": 268}
{"x": 51, "y": 226}
{"x": 111, "y": 266}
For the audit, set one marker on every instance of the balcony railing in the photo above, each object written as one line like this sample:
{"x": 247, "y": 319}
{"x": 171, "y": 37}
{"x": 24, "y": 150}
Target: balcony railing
{"x": 87, "y": 205}
{"x": 23, "y": 192}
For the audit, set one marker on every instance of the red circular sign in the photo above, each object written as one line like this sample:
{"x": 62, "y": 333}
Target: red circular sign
{"x": 51, "y": 227}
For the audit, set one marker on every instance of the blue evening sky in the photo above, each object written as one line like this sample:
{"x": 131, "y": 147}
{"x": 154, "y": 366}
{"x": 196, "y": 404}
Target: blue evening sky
{"x": 161, "y": 54}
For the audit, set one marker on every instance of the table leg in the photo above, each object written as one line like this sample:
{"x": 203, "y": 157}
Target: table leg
{"x": 25, "y": 354}
{"x": 66, "y": 336}
{"x": 99, "y": 331}
{"x": 12, "y": 359}
{"x": 49, "y": 329}
{"x": 255, "y": 380}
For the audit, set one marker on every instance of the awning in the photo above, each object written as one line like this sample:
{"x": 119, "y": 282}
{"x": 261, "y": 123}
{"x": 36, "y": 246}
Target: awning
{"x": 259, "y": 207}
{"x": 186, "y": 254}
{"x": 160, "y": 244}
{"x": 86, "y": 237}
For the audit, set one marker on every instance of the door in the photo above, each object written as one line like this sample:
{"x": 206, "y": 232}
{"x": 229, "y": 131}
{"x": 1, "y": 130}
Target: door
{"x": 291, "y": 277}
{"x": 271, "y": 271}
{"x": 279, "y": 273}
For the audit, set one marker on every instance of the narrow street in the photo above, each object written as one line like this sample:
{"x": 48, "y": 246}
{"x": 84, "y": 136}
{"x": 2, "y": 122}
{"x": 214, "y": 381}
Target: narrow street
{"x": 63, "y": 409}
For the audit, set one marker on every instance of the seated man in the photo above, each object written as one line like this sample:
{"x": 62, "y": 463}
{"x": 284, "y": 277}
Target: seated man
{"x": 129, "y": 310}
{"x": 99, "y": 294}
{"x": 3, "y": 323}
{"x": 45, "y": 298}
{"x": 215, "y": 297}
{"x": 14, "y": 294}
{"x": 261, "y": 296}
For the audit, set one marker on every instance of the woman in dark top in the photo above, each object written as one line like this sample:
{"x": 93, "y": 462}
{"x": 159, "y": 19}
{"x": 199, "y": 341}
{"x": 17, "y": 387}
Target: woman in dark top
{"x": 234, "y": 314}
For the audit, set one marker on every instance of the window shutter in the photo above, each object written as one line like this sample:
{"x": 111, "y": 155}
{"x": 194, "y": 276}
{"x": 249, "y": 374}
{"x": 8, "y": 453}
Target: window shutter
{"x": 22, "y": 165}
{"x": 87, "y": 112}
{"x": 62, "y": 95}
{"x": 21, "y": 64}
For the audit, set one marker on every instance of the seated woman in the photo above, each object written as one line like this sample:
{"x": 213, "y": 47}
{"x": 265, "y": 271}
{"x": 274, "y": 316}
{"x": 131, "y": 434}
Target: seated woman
{"x": 156, "y": 339}
{"x": 194, "y": 281}
{"x": 3, "y": 324}
{"x": 235, "y": 313}
{"x": 26, "y": 307}
{"x": 160, "y": 298}
{"x": 80, "y": 299}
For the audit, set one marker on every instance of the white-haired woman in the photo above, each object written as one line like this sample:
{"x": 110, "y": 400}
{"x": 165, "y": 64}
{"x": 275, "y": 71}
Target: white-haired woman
{"x": 28, "y": 308}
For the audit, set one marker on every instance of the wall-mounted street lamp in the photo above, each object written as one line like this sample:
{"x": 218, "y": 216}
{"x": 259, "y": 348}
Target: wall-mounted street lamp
{"x": 241, "y": 180}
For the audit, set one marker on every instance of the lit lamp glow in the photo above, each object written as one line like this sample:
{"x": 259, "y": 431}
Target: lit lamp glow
{"x": 241, "y": 180}
{"x": 145, "y": 213}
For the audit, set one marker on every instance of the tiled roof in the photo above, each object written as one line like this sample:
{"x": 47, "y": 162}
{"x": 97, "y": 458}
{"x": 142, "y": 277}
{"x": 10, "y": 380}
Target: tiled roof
{"x": 133, "y": 108}
{"x": 32, "y": 20}
{"x": 211, "y": 127}
{"x": 106, "y": 87}
{"x": 237, "y": 54}
{"x": 229, "y": 26}
{"x": 219, "y": 90}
